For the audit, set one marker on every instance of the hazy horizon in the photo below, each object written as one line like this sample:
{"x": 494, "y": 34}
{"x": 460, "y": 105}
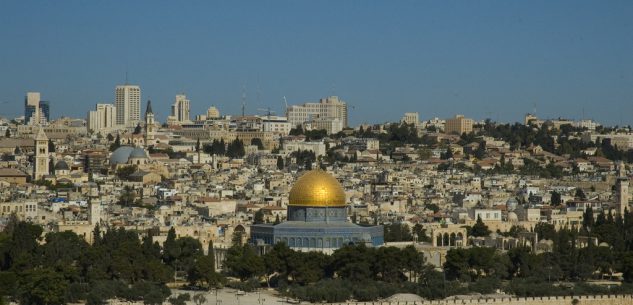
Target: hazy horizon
{"x": 496, "y": 59}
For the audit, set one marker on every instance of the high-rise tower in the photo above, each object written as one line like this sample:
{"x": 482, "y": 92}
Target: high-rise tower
{"x": 102, "y": 119}
{"x": 127, "y": 101}
{"x": 41, "y": 155}
{"x": 180, "y": 108}
{"x": 32, "y": 108}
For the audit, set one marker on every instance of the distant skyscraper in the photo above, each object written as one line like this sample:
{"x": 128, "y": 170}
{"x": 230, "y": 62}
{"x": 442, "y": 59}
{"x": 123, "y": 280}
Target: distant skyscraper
{"x": 213, "y": 113}
{"x": 180, "y": 108}
{"x": 102, "y": 119}
{"x": 45, "y": 112}
{"x": 32, "y": 108}
{"x": 326, "y": 109}
{"x": 459, "y": 125}
{"x": 411, "y": 118}
{"x": 128, "y": 105}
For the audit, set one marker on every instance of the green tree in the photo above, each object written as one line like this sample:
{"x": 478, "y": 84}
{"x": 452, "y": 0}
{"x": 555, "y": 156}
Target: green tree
{"x": 480, "y": 229}
{"x": 280, "y": 163}
{"x": 354, "y": 262}
{"x": 448, "y": 155}
{"x": 243, "y": 262}
{"x": 125, "y": 172}
{"x": 236, "y": 149}
{"x": 257, "y": 142}
{"x": 203, "y": 271}
{"x": 397, "y": 232}
{"x": 259, "y": 217}
{"x": 556, "y": 198}
{"x": 116, "y": 144}
{"x": 138, "y": 129}
{"x": 181, "y": 299}
{"x": 171, "y": 251}
{"x": 296, "y": 131}
{"x": 7, "y": 133}
{"x": 42, "y": 287}
{"x": 587, "y": 218}
{"x": 545, "y": 231}
{"x": 128, "y": 195}
{"x": 199, "y": 299}
{"x": 51, "y": 146}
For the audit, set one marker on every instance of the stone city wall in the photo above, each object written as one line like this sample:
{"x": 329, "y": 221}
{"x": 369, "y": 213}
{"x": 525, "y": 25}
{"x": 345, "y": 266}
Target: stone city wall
{"x": 560, "y": 300}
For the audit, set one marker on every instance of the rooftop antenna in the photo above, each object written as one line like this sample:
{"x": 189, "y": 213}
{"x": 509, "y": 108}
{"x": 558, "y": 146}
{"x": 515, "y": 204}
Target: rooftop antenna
{"x": 243, "y": 100}
{"x": 258, "y": 91}
{"x": 126, "y": 69}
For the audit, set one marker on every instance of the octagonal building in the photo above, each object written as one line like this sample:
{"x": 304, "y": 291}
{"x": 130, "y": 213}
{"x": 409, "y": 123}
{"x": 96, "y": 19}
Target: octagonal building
{"x": 317, "y": 219}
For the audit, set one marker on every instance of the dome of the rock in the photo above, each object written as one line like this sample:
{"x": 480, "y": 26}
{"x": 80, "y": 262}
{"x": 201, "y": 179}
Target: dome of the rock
{"x": 317, "y": 188}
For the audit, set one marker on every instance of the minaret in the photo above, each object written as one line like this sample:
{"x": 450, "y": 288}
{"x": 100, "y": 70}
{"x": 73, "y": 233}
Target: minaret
{"x": 622, "y": 189}
{"x": 94, "y": 211}
{"x": 149, "y": 124}
{"x": 41, "y": 155}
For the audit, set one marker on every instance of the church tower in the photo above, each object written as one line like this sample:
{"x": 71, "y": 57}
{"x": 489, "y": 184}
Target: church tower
{"x": 149, "y": 124}
{"x": 41, "y": 155}
{"x": 622, "y": 189}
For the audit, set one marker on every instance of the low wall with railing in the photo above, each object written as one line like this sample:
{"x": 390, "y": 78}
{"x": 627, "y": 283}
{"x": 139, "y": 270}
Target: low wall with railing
{"x": 559, "y": 300}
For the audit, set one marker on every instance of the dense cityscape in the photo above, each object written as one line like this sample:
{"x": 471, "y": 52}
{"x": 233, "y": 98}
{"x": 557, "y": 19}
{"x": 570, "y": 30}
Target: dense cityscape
{"x": 118, "y": 206}
{"x": 316, "y": 152}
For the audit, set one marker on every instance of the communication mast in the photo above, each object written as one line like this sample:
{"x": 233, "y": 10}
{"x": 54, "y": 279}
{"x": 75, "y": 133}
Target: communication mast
{"x": 243, "y": 100}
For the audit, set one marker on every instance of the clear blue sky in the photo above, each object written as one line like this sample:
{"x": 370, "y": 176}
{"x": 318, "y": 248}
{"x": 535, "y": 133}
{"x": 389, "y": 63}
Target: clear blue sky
{"x": 480, "y": 58}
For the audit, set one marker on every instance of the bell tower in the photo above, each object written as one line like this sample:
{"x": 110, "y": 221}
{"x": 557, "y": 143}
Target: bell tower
{"x": 149, "y": 124}
{"x": 41, "y": 155}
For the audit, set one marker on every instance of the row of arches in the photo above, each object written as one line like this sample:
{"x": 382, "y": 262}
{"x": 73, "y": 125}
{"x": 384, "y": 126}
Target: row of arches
{"x": 449, "y": 237}
{"x": 449, "y": 240}
{"x": 314, "y": 242}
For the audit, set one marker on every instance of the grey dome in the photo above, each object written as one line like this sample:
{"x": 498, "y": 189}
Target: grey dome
{"x": 138, "y": 153}
{"x": 61, "y": 165}
{"x": 121, "y": 155}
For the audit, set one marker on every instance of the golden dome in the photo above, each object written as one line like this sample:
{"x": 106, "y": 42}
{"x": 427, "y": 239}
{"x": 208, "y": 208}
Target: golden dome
{"x": 317, "y": 188}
